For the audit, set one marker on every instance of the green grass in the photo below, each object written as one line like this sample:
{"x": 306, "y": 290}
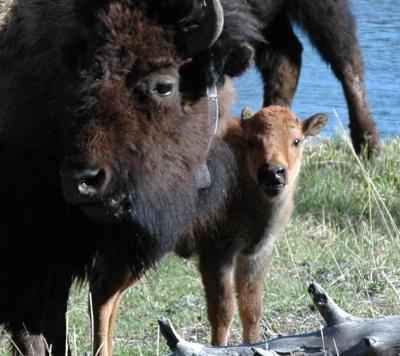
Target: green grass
{"x": 344, "y": 235}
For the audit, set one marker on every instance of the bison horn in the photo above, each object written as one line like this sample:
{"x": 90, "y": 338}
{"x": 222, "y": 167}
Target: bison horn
{"x": 197, "y": 36}
{"x": 246, "y": 113}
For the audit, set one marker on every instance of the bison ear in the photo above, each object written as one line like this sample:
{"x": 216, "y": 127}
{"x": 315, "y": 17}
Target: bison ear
{"x": 245, "y": 115}
{"x": 239, "y": 59}
{"x": 314, "y": 124}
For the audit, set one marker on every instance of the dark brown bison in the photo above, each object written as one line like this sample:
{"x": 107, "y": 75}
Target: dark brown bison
{"x": 104, "y": 123}
{"x": 332, "y": 30}
{"x": 235, "y": 247}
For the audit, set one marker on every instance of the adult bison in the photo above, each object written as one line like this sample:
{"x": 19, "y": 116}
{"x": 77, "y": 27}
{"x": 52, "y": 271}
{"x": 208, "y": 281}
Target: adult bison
{"x": 332, "y": 30}
{"x": 104, "y": 123}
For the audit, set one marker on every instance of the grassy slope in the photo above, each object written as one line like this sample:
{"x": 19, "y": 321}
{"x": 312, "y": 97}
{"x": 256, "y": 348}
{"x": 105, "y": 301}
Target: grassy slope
{"x": 340, "y": 236}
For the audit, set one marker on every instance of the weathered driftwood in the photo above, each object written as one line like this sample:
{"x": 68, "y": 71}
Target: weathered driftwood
{"x": 344, "y": 334}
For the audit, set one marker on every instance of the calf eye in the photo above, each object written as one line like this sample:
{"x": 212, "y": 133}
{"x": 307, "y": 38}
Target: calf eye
{"x": 296, "y": 142}
{"x": 163, "y": 88}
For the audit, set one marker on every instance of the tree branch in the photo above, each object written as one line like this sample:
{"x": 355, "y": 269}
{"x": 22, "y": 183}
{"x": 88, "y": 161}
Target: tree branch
{"x": 345, "y": 335}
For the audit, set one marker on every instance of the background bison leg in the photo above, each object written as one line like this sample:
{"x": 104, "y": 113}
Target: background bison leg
{"x": 279, "y": 62}
{"x": 249, "y": 277}
{"x": 332, "y": 30}
{"x": 216, "y": 272}
{"x": 107, "y": 290}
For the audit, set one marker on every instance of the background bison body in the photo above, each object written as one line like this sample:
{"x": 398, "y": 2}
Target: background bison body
{"x": 103, "y": 121}
{"x": 332, "y": 30}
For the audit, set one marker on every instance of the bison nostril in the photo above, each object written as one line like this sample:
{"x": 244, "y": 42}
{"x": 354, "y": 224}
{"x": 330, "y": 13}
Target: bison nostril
{"x": 91, "y": 182}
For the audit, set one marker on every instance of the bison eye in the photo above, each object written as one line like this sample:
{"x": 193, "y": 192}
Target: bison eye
{"x": 163, "y": 88}
{"x": 296, "y": 142}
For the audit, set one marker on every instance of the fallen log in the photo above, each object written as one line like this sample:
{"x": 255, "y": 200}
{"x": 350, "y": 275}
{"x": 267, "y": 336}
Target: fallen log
{"x": 344, "y": 335}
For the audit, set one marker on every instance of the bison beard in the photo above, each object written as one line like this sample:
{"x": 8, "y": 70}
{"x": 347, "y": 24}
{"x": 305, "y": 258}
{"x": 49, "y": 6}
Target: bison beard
{"x": 100, "y": 87}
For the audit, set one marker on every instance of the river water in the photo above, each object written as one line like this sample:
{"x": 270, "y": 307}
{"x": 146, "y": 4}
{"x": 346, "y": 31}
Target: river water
{"x": 319, "y": 91}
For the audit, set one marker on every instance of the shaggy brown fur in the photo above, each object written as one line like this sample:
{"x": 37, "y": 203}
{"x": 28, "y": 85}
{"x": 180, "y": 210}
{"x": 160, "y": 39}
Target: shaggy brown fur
{"x": 102, "y": 129}
{"x": 236, "y": 247}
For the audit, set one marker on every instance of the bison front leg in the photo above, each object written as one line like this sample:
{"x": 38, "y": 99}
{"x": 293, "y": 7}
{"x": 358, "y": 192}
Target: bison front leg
{"x": 250, "y": 273}
{"x": 279, "y": 62}
{"x": 332, "y": 30}
{"x": 216, "y": 272}
{"x": 26, "y": 343}
{"x": 48, "y": 339}
{"x": 106, "y": 292}
{"x": 55, "y": 328}
{"x": 43, "y": 330}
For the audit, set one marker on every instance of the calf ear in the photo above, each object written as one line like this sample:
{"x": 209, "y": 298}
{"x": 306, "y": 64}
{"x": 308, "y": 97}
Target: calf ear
{"x": 314, "y": 124}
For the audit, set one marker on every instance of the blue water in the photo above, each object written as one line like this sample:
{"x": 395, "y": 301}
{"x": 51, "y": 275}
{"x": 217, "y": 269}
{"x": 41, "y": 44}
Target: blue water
{"x": 319, "y": 91}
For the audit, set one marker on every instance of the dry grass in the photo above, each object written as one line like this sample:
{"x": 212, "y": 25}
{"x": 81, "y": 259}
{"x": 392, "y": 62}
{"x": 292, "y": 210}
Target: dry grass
{"x": 5, "y": 5}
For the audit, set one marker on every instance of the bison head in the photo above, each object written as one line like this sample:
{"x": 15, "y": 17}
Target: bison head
{"x": 139, "y": 127}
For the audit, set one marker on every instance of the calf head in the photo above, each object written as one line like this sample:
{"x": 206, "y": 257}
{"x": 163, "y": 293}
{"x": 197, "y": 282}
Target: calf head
{"x": 274, "y": 138}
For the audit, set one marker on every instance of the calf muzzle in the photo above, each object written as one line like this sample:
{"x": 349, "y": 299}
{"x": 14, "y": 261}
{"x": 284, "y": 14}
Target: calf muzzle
{"x": 272, "y": 178}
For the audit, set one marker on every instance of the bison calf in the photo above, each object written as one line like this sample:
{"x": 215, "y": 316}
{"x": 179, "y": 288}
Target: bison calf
{"x": 236, "y": 247}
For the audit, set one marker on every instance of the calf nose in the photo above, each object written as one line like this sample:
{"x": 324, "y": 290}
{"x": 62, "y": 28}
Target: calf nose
{"x": 269, "y": 174}
{"x": 90, "y": 182}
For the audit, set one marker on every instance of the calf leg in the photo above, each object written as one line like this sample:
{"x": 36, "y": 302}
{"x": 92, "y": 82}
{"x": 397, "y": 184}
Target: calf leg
{"x": 216, "y": 272}
{"x": 250, "y": 273}
{"x": 107, "y": 291}
{"x": 279, "y": 62}
{"x": 332, "y": 30}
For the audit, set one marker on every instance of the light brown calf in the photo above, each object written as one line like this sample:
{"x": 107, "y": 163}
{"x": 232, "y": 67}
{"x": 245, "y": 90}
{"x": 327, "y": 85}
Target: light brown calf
{"x": 236, "y": 246}
{"x": 236, "y": 249}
